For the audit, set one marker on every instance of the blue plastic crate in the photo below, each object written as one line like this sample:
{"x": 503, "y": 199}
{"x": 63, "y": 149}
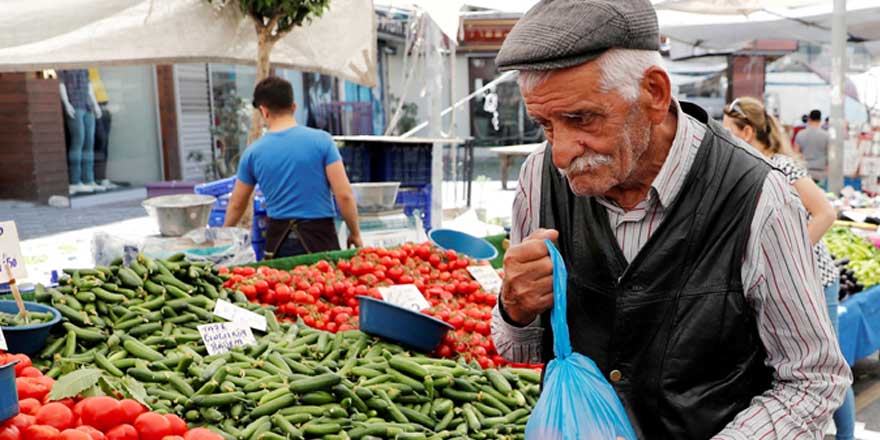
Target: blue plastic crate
{"x": 410, "y": 165}
{"x": 218, "y": 216}
{"x": 216, "y": 188}
{"x": 259, "y": 226}
{"x": 416, "y": 198}
{"x": 356, "y": 159}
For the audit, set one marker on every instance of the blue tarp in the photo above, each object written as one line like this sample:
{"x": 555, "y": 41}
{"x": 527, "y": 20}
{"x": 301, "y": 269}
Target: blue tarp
{"x": 860, "y": 324}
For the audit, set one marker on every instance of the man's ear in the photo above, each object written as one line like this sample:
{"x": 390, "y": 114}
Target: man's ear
{"x": 656, "y": 94}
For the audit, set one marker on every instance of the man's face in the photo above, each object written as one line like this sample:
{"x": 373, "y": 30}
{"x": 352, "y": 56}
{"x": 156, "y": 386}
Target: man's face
{"x": 597, "y": 138}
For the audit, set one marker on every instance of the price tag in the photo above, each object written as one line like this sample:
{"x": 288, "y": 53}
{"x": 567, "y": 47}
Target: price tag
{"x": 234, "y": 313}
{"x": 407, "y": 296}
{"x": 10, "y": 252}
{"x": 487, "y": 277}
{"x": 221, "y": 337}
{"x": 3, "y": 341}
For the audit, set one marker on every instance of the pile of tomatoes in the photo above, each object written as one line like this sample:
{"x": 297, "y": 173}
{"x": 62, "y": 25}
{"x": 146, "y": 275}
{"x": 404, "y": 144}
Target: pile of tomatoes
{"x": 324, "y": 295}
{"x": 92, "y": 418}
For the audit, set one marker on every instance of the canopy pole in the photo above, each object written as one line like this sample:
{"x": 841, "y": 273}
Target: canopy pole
{"x": 837, "y": 129}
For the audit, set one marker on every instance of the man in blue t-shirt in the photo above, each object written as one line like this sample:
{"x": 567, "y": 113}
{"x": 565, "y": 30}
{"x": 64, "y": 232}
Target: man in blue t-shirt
{"x": 299, "y": 170}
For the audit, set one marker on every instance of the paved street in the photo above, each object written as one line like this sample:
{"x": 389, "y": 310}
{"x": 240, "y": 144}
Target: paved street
{"x": 36, "y": 221}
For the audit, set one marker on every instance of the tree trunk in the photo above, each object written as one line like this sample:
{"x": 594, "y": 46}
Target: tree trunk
{"x": 265, "y": 43}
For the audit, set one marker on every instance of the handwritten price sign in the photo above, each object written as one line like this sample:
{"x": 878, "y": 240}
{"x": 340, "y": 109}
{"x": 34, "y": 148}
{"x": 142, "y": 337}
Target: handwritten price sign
{"x": 10, "y": 252}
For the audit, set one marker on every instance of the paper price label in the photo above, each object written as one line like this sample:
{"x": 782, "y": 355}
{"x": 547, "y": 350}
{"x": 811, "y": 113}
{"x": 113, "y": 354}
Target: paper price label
{"x": 487, "y": 277}
{"x": 407, "y": 296}
{"x": 10, "y": 253}
{"x": 222, "y": 337}
{"x": 234, "y": 313}
{"x": 3, "y": 341}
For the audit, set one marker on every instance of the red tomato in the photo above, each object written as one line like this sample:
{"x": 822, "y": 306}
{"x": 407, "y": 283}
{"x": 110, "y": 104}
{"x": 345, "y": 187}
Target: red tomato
{"x": 483, "y": 328}
{"x": 249, "y": 291}
{"x": 40, "y": 432}
{"x": 444, "y": 351}
{"x": 131, "y": 409}
{"x": 201, "y": 434}
{"x": 261, "y": 286}
{"x": 102, "y": 412}
{"x": 74, "y": 434}
{"x": 331, "y": 327}
{"x": 21, "y": 421}
{"x": 178, "y": 426}
{"x": 28, "y": 372}
{"x": 57, "y": 415}
{"x": 122, "y": 432}
{"x": 342, "y": 317}
{"x": 172, "y": 437}
{"x": 29, "y": 406}
{"x": 222, "y": 270}
{"x": 36, "y": 387}
{"x": 92, "y": 432}
{"x": 152, "y": 426}
{"x": 23, "y": 362}
{"x": 283, "y": 293}
{"x": 10, "y": 432}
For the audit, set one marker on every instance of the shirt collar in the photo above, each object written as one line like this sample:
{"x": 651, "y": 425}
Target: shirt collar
{"x": 668, "y": 182}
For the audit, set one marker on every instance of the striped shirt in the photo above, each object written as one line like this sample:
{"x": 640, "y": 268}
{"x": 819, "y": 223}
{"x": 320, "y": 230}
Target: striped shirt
{"x": 779, "y": 272}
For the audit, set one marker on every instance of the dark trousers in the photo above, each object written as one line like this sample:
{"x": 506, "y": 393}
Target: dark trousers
{"x": 291, "y": 247}
{"x": 102, "y": 141}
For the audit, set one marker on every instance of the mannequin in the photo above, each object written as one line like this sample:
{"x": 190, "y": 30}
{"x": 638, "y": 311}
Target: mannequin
{"x": 102, "y": 131}
{"x": 80, "y": 111}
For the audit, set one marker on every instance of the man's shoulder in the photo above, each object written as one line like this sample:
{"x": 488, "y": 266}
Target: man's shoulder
{"x": 315, "y": 134}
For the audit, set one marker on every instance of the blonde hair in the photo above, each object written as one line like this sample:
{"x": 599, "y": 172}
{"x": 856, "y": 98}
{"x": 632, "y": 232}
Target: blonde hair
{"x": 749, "y": 111}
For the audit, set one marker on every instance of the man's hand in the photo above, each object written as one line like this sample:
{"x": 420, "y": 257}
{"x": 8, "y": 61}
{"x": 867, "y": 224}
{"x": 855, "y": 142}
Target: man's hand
{"x": 70, "y": 111}
{"x": 528, "y": 278}
{"x": 355, "y": 241}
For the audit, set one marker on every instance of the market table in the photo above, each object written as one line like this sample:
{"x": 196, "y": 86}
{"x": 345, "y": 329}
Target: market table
{"x": 506, "y": 153}
{"x": 859, "y": 334}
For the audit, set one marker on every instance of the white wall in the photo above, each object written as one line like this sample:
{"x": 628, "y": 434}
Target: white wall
{"x": 800, "y": 92}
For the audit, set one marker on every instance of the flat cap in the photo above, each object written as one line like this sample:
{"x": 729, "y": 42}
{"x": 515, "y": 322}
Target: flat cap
{"x": 555, "y": 34}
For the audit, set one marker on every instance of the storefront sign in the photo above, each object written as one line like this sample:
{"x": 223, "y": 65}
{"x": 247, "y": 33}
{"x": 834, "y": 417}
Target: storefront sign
{"x": 407, "y": 296}
{"x": 234, "y": 313}
{"x": 487, "y": 277}
{"x": 10, "y": 252}
{"x": 222, "y": 337}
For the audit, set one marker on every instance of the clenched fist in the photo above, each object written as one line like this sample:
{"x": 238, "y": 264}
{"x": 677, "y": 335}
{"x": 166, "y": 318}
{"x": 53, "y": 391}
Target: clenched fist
{"x": 528, "y": 278}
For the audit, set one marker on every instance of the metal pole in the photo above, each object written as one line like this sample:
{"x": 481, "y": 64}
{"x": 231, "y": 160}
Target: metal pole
{"x": 435, "y": 77}
{"x": 504, "y": 77}
{"x": 838, "y": 94}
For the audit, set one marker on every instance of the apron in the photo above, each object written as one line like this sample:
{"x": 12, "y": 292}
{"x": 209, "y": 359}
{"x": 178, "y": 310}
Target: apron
{"x": 317, "y": 235}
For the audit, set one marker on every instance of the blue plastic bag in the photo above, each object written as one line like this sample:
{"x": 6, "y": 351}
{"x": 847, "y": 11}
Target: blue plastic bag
{"x": 576, "y": 403}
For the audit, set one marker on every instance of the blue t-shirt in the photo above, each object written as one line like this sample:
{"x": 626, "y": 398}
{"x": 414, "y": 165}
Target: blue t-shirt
{"x": 289, "y": 166}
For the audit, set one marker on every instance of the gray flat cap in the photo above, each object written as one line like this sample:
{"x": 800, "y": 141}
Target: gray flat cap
{"x": 555, "y": 34}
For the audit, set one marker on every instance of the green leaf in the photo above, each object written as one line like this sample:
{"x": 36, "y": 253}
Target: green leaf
{"x": 74, "y": 383}
{"x": 92, "y": 391}
{"x": 135, "y": 390}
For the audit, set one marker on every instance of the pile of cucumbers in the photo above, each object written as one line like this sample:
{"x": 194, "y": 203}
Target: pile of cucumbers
{"x": 15, "y": 319}
{"x": 138, "y": 322}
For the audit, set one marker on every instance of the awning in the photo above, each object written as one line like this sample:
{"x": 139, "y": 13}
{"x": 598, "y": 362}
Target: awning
{"x": 42, "y": 34}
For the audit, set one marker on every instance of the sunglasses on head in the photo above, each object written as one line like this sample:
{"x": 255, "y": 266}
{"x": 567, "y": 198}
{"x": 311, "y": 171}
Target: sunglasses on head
{"x": 735, "y": 108}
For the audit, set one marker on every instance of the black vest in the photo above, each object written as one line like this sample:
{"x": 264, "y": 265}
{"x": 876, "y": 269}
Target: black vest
{"x": 673, "y": 327}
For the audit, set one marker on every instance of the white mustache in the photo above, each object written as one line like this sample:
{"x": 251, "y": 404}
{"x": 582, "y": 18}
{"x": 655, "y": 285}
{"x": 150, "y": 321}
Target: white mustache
{"x": 586, "y": 162}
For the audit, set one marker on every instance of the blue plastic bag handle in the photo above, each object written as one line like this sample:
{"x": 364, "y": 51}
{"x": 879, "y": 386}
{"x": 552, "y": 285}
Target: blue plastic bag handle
{"x": 559, "y": 316}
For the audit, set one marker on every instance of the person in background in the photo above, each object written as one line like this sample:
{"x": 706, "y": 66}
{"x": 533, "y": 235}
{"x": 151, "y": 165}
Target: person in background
{"x": 797, "y": 129}
{"x": 812, "y": 142}
{"x": 748, "y": 120}
{"x": 299, "y": 170}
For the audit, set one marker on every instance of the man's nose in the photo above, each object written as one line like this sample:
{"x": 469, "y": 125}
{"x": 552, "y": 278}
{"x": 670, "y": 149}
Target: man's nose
{"x": 566, "y": 149}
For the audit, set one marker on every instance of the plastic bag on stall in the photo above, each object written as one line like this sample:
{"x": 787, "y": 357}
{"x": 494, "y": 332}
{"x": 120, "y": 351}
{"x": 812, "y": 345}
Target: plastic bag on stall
{"x": 222, "y": 246}
{"x": 576, "y": 402}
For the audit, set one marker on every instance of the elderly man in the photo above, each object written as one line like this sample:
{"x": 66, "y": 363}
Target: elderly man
{"x": 691, "y": 281}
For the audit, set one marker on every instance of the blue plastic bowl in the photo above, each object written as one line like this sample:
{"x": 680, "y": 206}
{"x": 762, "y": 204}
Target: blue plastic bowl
{"x": 8, "y": 392}
{"x": 414, "y": 330}
{"x": 28, "y": 339}
{"x": 467, "y": 244}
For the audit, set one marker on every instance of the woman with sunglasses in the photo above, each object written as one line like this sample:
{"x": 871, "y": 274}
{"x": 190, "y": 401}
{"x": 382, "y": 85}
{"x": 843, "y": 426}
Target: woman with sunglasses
{"x": 748, "y": 120}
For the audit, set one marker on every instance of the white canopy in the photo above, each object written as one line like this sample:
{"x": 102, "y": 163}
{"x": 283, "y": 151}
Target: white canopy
{"x": 42, "y": 34}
